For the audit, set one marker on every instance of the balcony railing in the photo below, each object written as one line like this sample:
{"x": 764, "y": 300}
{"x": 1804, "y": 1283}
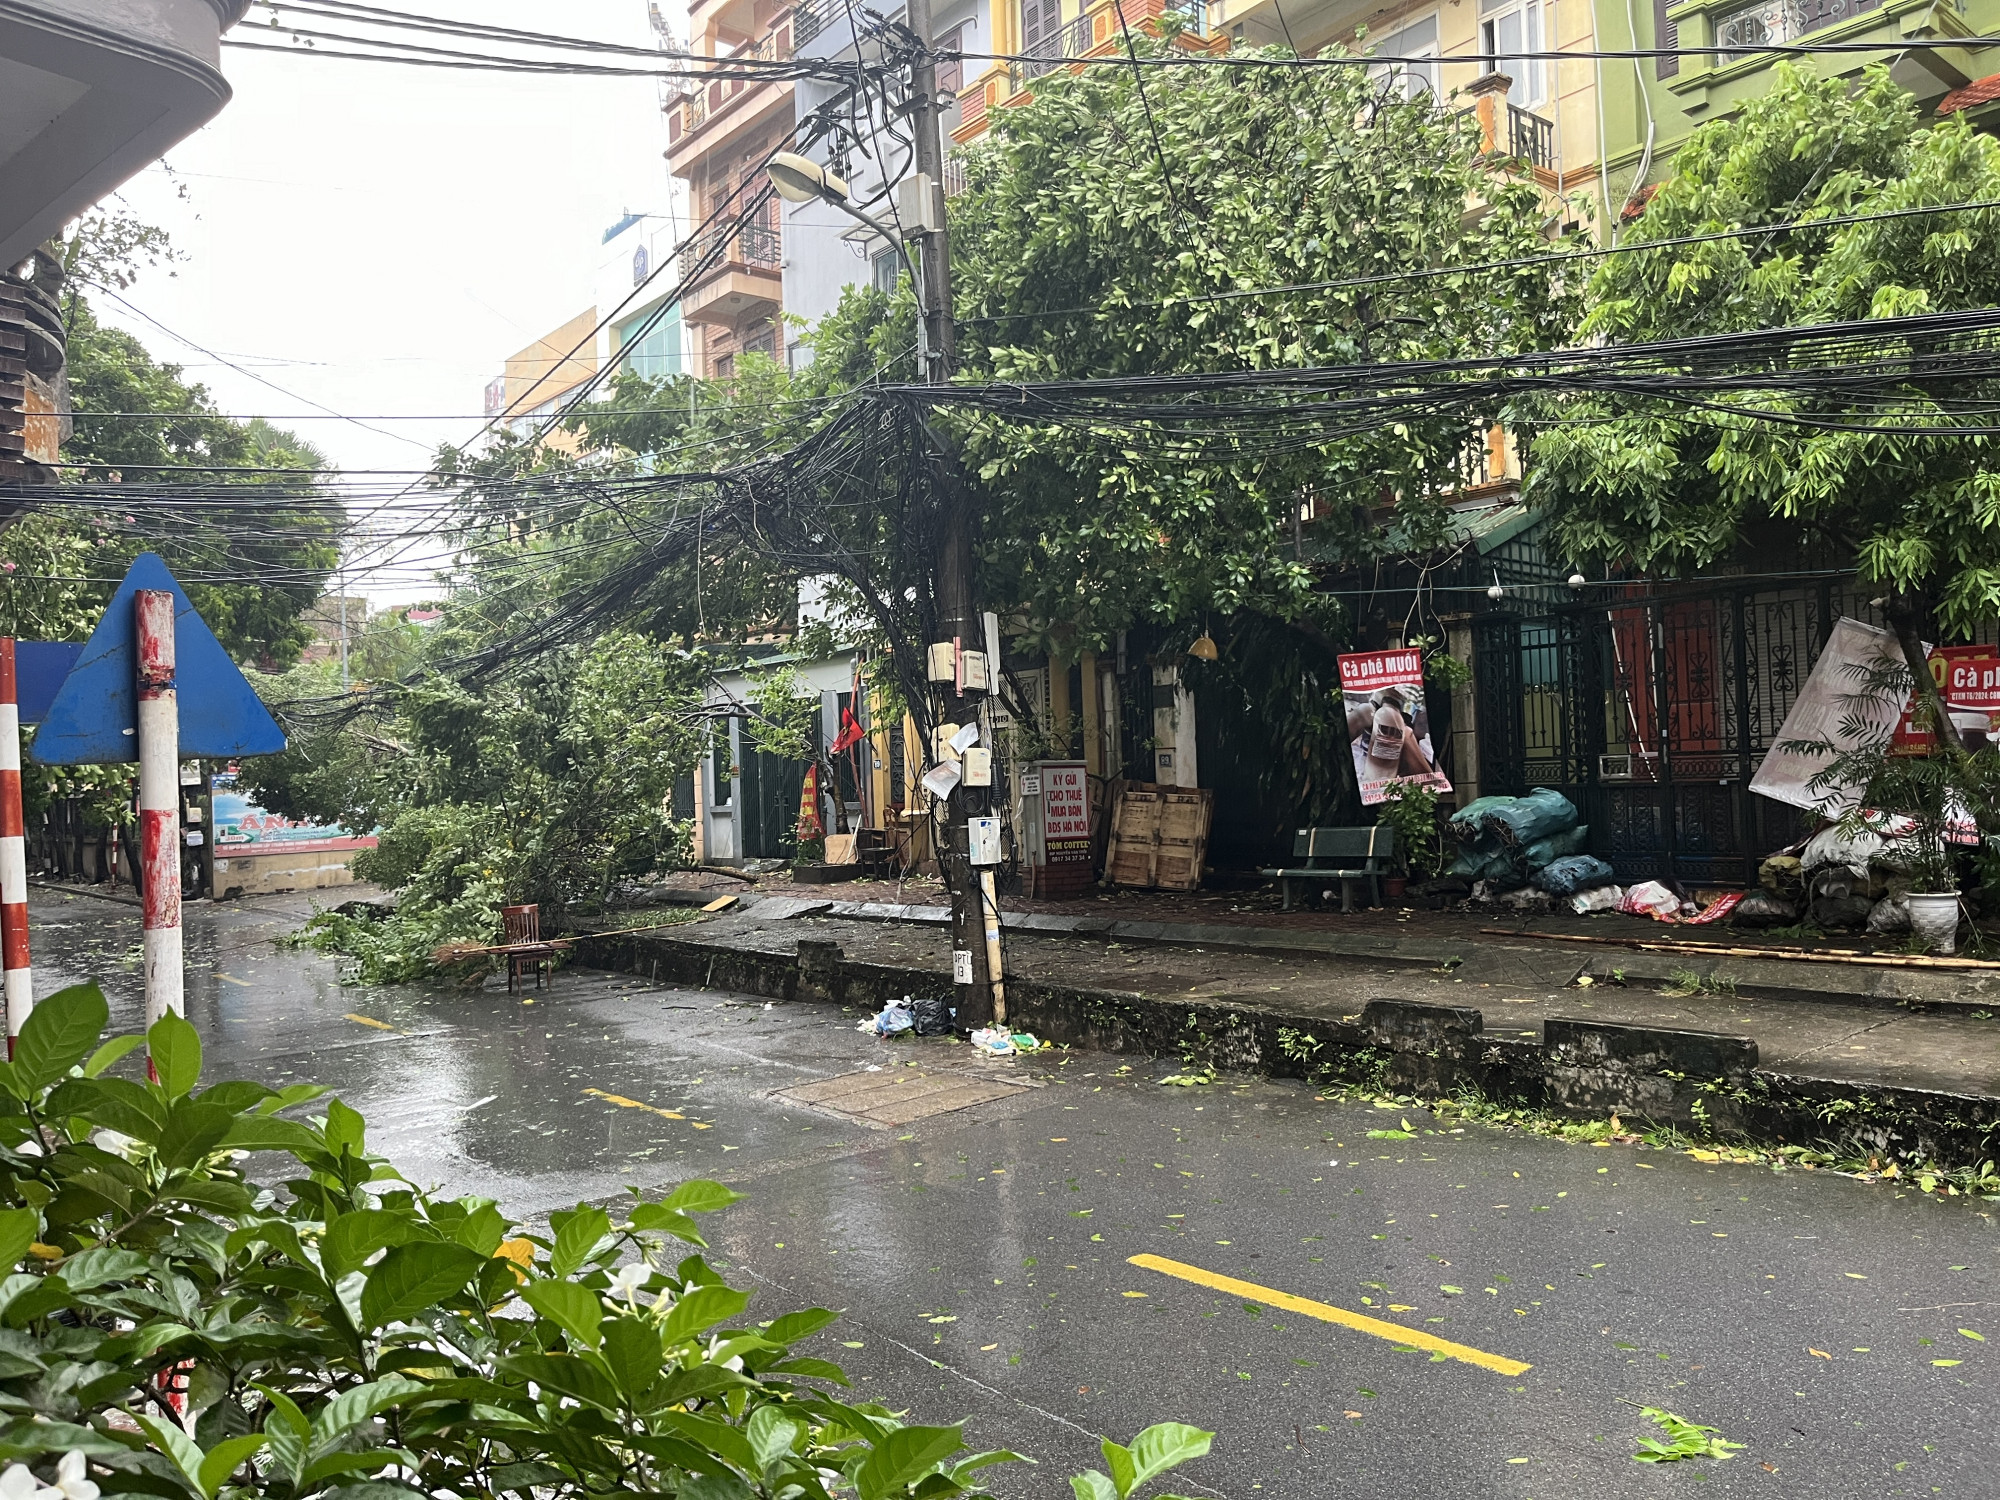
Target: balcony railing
{"x": 1530, "y": 138}
{"x": 1072, "y": 39}
{"x": 690, "y": 111}
{"x": 1076, "y": 37}
{"x": 1775, "y": 22}
{"x": 758, "y": 246}
{"x": 810, "y": 18}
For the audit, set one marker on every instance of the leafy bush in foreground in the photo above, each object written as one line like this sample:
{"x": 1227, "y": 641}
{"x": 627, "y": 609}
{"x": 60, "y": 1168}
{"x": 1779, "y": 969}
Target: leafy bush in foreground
{"x": 342, "y": 1333}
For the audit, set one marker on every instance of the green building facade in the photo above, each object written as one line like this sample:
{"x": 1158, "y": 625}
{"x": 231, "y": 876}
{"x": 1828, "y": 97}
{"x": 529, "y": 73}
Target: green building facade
{"x": 1651, "y": 105}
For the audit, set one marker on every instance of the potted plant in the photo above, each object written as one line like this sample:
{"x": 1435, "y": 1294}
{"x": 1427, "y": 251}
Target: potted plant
{"x": 1923, "y": 801}
{"x": 1412, "y": 811}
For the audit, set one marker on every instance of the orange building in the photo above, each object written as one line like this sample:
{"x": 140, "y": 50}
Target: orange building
{"x": 718, "y": 136}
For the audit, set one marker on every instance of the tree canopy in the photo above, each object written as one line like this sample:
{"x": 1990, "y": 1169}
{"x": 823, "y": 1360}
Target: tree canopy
{"x": 253, "y": 568}
{"x": 1658, "y": 486}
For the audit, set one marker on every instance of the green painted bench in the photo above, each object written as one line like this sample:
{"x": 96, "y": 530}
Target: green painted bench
{"x": 1348, "y": 855}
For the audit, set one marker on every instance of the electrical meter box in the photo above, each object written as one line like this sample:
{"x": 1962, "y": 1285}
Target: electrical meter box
{"x": 978, "y": 766}
{"x": 982, "y": 840}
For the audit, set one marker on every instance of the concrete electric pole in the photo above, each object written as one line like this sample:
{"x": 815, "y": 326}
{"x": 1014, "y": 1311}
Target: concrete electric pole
{"x": 975, "y": 915}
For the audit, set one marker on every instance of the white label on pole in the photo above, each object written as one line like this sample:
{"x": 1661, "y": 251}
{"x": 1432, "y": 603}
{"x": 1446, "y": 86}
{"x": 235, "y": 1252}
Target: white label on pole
{"x": 194, "y": 838}
{"x": 961, "y": 966}
{"x": 1031, "y": 783}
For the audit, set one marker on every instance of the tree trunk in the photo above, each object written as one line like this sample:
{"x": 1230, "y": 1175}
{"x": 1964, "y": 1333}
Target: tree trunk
{"x": 1906, "y": 614}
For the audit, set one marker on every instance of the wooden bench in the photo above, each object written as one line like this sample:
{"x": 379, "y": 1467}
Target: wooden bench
{"x": 524, "y": 946}
{"x": 1347, "y": 855}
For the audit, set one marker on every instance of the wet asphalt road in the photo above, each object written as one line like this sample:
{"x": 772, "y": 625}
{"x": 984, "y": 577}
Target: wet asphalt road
{"x": 982, "y": 1255}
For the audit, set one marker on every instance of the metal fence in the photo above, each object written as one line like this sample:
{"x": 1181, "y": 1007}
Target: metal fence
{"x": 1651, "y": 710}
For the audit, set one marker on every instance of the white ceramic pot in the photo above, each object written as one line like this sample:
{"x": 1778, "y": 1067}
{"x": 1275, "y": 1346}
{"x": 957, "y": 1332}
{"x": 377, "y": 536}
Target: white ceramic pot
{"x": 1934, "y": 920}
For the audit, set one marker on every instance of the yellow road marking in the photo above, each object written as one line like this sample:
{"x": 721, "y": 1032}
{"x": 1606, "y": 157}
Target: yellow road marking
{"x": 1307, "y": 1308}
{"x": 623, "y": 1103}
{"x": 367, "y": 1021}
{"x": 233, "y": 979}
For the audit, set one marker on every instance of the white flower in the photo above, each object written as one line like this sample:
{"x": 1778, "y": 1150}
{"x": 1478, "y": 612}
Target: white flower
{"x": 116, "y": 1143}
{"x": 627, "y": 1279}
{"x": 19, "y": 1483}
{"x": 70, "y": 1480}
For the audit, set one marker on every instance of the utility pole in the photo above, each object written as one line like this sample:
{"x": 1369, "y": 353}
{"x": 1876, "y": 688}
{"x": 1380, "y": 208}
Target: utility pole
{"x": 974, "y": 913}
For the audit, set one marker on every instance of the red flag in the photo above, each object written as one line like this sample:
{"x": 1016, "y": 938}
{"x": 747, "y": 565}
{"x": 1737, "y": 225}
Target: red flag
{"x": 851, "y": 733}
{"x": 811, "y": 828}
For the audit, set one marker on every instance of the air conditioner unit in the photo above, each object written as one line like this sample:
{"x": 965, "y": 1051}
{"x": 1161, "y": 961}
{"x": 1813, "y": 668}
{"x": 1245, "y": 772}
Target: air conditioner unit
{"x": 1643, "y": 766}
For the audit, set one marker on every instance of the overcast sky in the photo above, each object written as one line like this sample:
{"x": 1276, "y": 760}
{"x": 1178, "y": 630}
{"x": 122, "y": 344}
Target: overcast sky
{"x": 378, "y": 239}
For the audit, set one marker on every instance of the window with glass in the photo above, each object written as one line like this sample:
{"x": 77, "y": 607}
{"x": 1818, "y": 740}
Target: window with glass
{"x": 1415, "y": 70}
{"x": 651, "y": 345}
{"x": 883, "y": 270}
{"x": 1510, "y": 30}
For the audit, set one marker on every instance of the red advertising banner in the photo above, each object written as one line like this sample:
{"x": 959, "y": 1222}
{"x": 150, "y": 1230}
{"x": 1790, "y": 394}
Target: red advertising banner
{"x": 1388, "y": 726}
{"x": 1968, "y": 678}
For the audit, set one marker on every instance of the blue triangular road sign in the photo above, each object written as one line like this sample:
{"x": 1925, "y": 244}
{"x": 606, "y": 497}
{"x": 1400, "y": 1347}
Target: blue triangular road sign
{"x": 94, "y": 719}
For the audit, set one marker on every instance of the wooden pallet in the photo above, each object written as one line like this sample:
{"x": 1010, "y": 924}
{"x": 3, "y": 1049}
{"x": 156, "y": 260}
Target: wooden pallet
{"x": 1159, "y": 836}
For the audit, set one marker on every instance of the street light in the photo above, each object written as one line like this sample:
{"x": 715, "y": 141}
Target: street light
{"x": 800, "y": 179}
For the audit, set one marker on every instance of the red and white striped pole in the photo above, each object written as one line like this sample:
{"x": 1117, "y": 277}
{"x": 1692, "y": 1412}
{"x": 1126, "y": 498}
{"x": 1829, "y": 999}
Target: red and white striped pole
{"x": 20, "y": 988}
{"x": 159, "y": 802}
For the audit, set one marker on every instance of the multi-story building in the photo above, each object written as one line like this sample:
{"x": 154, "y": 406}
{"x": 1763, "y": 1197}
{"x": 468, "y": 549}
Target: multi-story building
{"x": 1651, "y": 107}
{"x": 719, "y": 135}
{"x": 538, "y": 379}
{"x": 827, "y": 251}
{"x": 640, "y": 322}
{"x": 1544, "y": 112}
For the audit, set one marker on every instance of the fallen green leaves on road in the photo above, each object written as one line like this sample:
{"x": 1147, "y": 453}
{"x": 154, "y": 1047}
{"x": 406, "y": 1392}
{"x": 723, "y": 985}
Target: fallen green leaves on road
{"x": 1685, "y": 1439}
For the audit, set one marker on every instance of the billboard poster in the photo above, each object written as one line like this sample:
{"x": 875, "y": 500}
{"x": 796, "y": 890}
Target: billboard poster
{"x": 1968, "y": 679}
{"x": 242, "y": 827}
{"x": 1388, "y": 725}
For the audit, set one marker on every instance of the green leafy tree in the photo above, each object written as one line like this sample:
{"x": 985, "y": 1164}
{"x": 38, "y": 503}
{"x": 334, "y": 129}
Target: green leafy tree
{"x": 1115, "y": 228}
{"x": 341, "y": 1332}
{"x": 547, "y": 785}
{"x": 1120, "y": 225}
{"x": 1661, "y": 487}
{"x": 266, "y": 559}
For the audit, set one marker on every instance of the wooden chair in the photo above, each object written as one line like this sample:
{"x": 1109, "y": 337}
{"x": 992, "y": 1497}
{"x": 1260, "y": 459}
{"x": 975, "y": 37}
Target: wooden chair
{"x": 1348, "y": 855}
{"x": 522, "y": 926}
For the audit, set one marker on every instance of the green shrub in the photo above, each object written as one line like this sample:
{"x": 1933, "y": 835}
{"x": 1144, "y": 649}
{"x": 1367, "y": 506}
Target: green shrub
{"x": 340, "y": 1332}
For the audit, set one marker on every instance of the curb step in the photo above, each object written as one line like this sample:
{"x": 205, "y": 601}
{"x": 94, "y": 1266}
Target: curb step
{"x": 1710, "y": 1083}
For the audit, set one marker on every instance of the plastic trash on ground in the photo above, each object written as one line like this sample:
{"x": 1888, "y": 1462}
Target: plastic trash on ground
{"x": 1544, "y": 852}
{"x": 933, "y": 1014}
{"x": 1832, "y": 847}
{"x": 1651, "y": 899}
{"x": 1521, "y": 821}
{"x": 892, "y": 1021}
{"x": 996, "y": 1040}
{"x": 1574, "y": 873}
{"x": 1890, "y": 914}
{"x": 1604, "y": 898}
{"x": 1763, "y": 909}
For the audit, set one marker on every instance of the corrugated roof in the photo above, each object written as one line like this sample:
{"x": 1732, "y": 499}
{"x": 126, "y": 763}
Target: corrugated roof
{"x": 1985, "y": 91}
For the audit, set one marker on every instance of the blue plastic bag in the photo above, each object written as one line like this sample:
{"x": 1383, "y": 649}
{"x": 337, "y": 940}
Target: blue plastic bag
{"x": 1573, "y": 873}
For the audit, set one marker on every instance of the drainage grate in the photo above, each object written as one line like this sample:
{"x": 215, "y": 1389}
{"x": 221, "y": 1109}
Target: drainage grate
{"x": 885, "y": 1099}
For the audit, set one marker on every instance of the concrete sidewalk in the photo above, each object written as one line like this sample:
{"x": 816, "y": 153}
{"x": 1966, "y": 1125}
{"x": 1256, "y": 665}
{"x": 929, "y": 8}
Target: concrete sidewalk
{"x": 1887, "y": 1058}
